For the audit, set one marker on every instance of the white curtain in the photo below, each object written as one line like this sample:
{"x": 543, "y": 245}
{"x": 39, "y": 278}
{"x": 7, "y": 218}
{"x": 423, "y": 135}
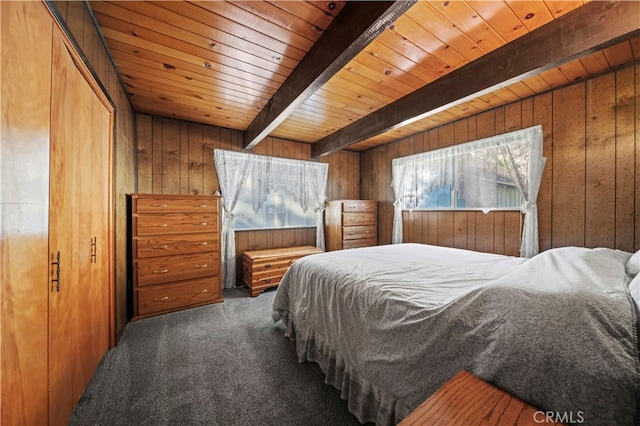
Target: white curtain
{"x": 473, "y": 170}
{"x": 527, "y": 177}
{"x": 305, "y": 181}
{"x": 413, "y": 177}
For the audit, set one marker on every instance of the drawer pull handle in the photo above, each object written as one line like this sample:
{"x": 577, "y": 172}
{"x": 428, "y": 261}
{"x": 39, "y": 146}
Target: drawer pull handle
{"x": 201, "y": 266}
{"x": 204, "y": 243}
{"x": 160, "y": 205}
{"x": 164, "y": 271}
{"x": 204, "y": 291}
{"x": 267, "y": 266}
{"x": 162, "y": 299}
{"x": 267, "y": 280}
{"x": 160, "y": 225}
{"x": 203, "y": 205}
{"x": 160, "y": 247}
{"x": 203, "y": 223}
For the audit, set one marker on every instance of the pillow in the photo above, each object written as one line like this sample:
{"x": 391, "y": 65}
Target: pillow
{"x": 633, "y": 264}
{"x": 634, "y": 289}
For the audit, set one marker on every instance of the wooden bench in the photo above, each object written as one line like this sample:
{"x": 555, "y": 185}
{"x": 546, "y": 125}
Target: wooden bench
{"x": 263, "y": 269}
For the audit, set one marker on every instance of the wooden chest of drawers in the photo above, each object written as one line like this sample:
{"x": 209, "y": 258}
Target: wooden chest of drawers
{"x": 350, "y": 224}
{"x": 175, "y": 252}
{"x": 263, "y": 269}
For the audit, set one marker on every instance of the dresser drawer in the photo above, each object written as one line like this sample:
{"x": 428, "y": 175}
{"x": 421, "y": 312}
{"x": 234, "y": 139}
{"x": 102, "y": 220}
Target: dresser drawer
{"x": 169, "y": 204}
{"x": 176, "y": 223}
{"x": 267, "y": 278}
{"x": 362, "y": 242}
{"x": 157, "y": 270}
{"x": 359, "y": 206}
{"x": 171, "y": 297}
{"x": 254, "y": 273}
{"x": 355, "y": 219}
{"x": 357, "y": 232}
{"x": 164, "y": 245}
{"x": 256, "y": 268}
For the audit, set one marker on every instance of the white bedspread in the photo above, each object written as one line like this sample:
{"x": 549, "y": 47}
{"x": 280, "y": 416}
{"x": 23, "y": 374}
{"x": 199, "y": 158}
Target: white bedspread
{"x": 391, "y": 324}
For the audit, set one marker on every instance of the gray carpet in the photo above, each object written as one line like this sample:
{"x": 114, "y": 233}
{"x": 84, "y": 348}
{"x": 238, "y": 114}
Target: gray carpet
{"x": 223, "y": 364}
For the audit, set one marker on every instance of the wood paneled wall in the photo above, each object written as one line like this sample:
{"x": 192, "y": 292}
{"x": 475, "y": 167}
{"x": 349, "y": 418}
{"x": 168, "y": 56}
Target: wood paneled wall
{"x": 82, "y": 29}
{"x": 590, "y": 191}
{"x": 495, "y": 232}
{"x": 176, "y": 157}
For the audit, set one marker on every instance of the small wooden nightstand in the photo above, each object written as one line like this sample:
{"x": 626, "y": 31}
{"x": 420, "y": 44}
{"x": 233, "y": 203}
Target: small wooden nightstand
{"x": 468, "y": 400}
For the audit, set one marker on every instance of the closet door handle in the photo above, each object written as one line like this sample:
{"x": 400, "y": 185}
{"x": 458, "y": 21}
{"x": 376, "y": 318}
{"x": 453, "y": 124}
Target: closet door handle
{"x": 57, "y": 278}
{"x": 94, "y": 249}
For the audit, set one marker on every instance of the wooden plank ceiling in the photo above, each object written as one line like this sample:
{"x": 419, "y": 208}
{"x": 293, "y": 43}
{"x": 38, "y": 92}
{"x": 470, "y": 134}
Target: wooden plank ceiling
{"x": 313, "y": 71}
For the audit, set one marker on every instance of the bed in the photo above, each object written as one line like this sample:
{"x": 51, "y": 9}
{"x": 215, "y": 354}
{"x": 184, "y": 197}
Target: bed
{"x": 389, "y": 325}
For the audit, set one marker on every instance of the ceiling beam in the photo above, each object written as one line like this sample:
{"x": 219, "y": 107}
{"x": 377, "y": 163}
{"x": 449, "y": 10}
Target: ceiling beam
{"x": 357, "y": 25}
{"x": 587, "y": 29}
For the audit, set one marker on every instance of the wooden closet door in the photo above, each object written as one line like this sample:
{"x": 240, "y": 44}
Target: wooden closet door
{"x": 56, "y": 176}
{"x": 63, "y": 232}
{"x": 82, "y": 292}
{"x": 93, "y": 300}
{"x": 79, "y": 231}
{"x": 25, "y": 90}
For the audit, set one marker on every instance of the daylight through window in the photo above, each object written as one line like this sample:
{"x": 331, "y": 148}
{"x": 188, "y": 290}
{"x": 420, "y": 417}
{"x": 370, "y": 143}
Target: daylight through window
{"x": 500, "y": 172}
{"x": 479, "y": 177}
{"x": 279, "y": 210}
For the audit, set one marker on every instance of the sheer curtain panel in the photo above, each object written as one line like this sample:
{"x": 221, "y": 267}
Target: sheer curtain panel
{"x": 475, "y": 173}
{"x": 260, "y": 175}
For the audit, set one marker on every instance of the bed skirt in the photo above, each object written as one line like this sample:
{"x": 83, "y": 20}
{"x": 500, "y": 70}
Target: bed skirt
{"x": 365, "y": 400}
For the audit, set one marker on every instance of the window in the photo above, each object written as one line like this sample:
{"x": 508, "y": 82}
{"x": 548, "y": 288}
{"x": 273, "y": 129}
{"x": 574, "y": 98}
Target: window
{"x": 278, "y": 211}
{"x": 270, "y": 192}
{"x": 469, "y": 176}
{"x": 260, "y": 191}
{"x": 500, "y": 172}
